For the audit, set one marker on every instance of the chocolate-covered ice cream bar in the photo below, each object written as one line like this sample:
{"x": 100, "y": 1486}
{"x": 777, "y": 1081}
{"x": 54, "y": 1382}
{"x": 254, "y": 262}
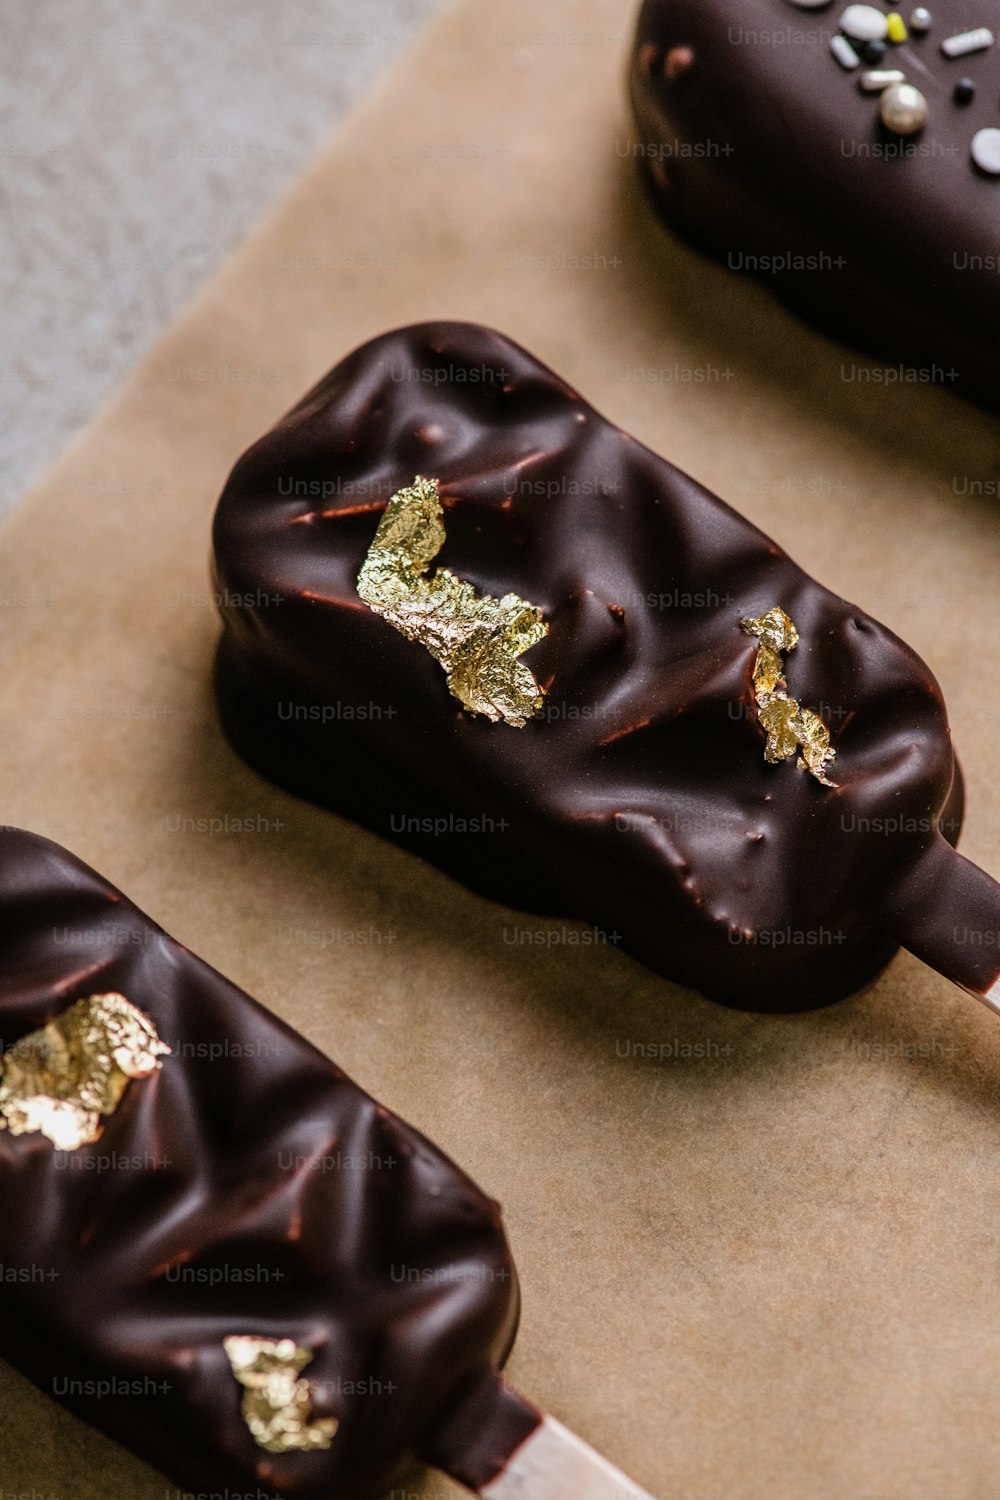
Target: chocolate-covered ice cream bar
{"x": 218, "y": 1249}
{"x": 463, "y": 609}
{"x": 847, "y": 155}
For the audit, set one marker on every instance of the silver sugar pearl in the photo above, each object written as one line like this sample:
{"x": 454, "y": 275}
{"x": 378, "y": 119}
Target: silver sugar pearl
{"x": 903, "y": 109}
{"x": 921, "y": 20}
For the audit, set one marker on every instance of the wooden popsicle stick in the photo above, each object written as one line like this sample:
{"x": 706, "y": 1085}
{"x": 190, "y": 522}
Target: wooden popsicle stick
{"x": 991, "y": 997}
{"x": 554, "y": 1464}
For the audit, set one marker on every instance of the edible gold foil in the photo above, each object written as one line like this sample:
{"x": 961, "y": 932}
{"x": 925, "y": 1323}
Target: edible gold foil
{"x": 277, "y": 1405}
{"x": 475, "y": 637}
{"x": 61, "y": 1079}
{"x": 787, "y": 724}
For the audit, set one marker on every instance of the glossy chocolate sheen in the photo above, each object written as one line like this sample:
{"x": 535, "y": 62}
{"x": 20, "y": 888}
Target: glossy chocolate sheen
{"x": 247, "y": 1188}
{"x": 639, "y": 799}
{"x": 766, "y": 148}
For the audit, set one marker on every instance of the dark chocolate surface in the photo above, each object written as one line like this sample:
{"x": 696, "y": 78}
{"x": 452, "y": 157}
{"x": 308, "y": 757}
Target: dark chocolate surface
{"x": 765, "y": 148}
{"x": 640, "y": 798}
{"x": 247, "y": 1188}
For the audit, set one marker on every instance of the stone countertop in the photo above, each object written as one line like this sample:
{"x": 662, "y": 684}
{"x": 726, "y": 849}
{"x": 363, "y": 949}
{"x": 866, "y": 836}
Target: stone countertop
{"x": 139, "y": 142}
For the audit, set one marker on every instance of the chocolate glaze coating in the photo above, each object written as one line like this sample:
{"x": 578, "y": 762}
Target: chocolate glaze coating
{"x": 216, "y": 1203}
{"x": 766, "y": 147}
{"x": 640, "y": 798}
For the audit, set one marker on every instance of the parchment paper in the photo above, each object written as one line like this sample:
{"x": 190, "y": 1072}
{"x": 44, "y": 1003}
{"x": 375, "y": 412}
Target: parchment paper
{"x": 760, "y": 1260}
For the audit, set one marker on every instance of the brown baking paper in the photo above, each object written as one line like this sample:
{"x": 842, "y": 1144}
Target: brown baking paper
{"x": 760, "y": 1256}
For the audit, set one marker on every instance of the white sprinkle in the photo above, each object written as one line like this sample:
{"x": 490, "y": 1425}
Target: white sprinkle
{"x": 986, "y": 151}
{"x": 844, "y": 53}
{"x": 968, "y": 41}
{"x": 878, "y": 79}
{"x": 863, "y": 23}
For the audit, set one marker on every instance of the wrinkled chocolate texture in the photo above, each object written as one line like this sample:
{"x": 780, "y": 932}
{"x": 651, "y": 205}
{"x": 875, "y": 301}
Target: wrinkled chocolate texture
{"x": 639, "y": 798}
{"x": 246, "y": 1189}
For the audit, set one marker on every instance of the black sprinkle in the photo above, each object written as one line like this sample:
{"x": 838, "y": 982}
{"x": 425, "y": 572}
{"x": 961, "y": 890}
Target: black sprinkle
{"x": 964, "y": 92}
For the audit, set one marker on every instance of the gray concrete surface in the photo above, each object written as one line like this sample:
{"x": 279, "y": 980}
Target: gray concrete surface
{"x": 139, "y": 141}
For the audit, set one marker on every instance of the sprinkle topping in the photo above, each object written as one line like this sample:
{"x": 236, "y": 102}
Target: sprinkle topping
{"x": 863, "y": 23}
{"x": 968, "y": 41}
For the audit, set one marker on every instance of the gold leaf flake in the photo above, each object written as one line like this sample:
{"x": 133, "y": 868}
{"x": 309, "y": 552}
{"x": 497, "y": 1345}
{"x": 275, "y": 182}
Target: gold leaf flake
{"x": 277, "y": 1405}
{"x": 61, "y": 1079}
{"x": 787, "y": 724}
{"x": 475, "y": 637}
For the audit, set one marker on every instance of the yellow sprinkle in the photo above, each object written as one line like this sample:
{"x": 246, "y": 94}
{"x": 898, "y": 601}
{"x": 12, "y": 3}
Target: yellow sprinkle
{"x": 897, "y": 28}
